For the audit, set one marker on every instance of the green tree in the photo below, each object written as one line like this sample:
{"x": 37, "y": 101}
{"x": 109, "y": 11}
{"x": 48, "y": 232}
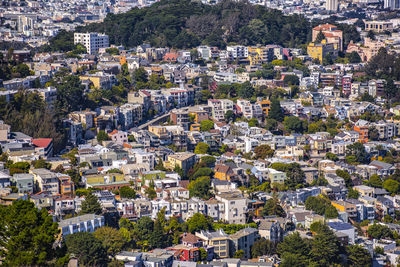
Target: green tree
{"x": 332, "y": 156}
{"x": 294, "y": 124}
{"x": 271, "y": 124}
{"x": 276, "y": 112}
{"x": 208, "y": 161}
{"x": 367, "y": 98}
{"x": 102, "y": 136}
{"x": 70, "y": 94}
{"x": 202, "y": 148}
{"x": 111, "y": 239}
{"x": 353, "y": 194}
{"x": 327, "y": 60}
{"x": 229, "y": 115}
{"x": 373, "y": 134}
{"x": 199, "y": 222}
{"x": 41, "y": 163}
{"x": 86, "y": 248}
{"x": 127, "y": 192}
{"x": 253, "y": 122}
{"x": 273, "y": 207}
{"x": 200, "y": 187}
{"x": 151, "y": 193}
{"x": 354, "y": 57}
{"x": 246, "y": 90}
{"x": 143, "y": 230}
{"x": 203, "y": 254}
{"x": 204, "y": 171}
{"x": 140, "y": 75}
{"x": 379, "y": 231}
{"x": 375, "y": 181}
{"x": 392, "y": 186}
{"x": 331, "y": 212}
{"x": 320, "y": 37}
{"x": 295, "y": 177}
{"x": 91, "y": 205}
{"x": 206, "y": 125}
{"x": 239, "y": 254}
{"x": 112, "y": 51}
{"x": 263, "y": 151}
{"x": 294, "y": 247}
{"x": 317, "y": 227}
{"x": 26, "y": 235}
{"x": 324, "y": 248}
{"x": 290, "y": 80}
{"x": 357, "y": 150}
{"x": 23, "y": 166}
{"x": 321, "y": 206}
{"x": 346, "y": 176}
{"x": 263, "y": 247}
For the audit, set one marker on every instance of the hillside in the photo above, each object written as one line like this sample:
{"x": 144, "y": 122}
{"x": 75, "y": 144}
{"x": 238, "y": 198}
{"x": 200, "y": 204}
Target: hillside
{"x": 186, "y": 24}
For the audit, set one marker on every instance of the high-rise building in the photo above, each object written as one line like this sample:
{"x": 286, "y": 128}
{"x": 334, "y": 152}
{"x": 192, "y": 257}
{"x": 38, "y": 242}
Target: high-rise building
{"x": 92, "y": 41}
{"x": 332, "y": 5}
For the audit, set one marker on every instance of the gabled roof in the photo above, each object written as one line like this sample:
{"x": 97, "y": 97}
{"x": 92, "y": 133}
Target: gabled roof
{"x": 42, "y": 142}
{"x": 222, "y": 168}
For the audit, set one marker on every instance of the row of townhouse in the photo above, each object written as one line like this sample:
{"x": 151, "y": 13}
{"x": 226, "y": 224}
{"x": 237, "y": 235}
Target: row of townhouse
{"x": 228, "y": 207}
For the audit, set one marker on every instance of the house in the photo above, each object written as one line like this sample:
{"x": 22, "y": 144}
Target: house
{"x": 364, "y": 190}
{"x": 223, "y": 172}
{"x": 243, "y": 240}
{"x": 45, "y": 180}
{"x": 43, "y": 200}
{"x": 4, "y": 180}
{"x": 119, "y": 137}
{"x": 310, "y": 219}
{"x": 184, "y": 160}
{"x": 362, "y": 126}
{"x": 23, "y": 182}
{"x": 344, "y": 228}
{"x": 67, "y": 186}
{"x": 219, "y": 240}
{"x": 84, "y": 223}
{"x": 347, "y": 207}
{"x": 43, "y": 147}
{"x": 271, "y": 230}
{"x": 383, "y": 169}
{"x": 311, "y": 174}
{"x": 275, "y": 176}
{"x": 235, "y": 207}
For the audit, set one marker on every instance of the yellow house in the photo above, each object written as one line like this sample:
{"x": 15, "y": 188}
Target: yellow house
{"x": 223, "y": 172}
{"x": 184, "y": 160}
{"x": 195, "y": 127}
{"x": 321, "y": 50}
{"x": 122, "y": 60}
{"x": 257, "y": 55}
{"x": 265, "y": 105}
{"x": 96, "y": 80}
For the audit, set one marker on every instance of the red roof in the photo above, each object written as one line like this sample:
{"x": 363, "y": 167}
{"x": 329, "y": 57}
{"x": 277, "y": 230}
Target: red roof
{"x": 113, "y": 132}
{"x": 42, "y": 142}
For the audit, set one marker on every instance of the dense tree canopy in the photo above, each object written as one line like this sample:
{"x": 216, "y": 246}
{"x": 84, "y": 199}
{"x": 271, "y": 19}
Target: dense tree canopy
{"x": 26, "y": 235}
{"x": 91, "y": 205}
{"x": 200, "y": 187}
{"x": 199, "y": 222}
{"x": 184, "y": 24}
{"x": 202, "y": 148}
{"x": 321, "y": 206}
{"x": 273, "y": 207}
{"x": 295, "y": 177}
{"x": 87, "y": 249}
